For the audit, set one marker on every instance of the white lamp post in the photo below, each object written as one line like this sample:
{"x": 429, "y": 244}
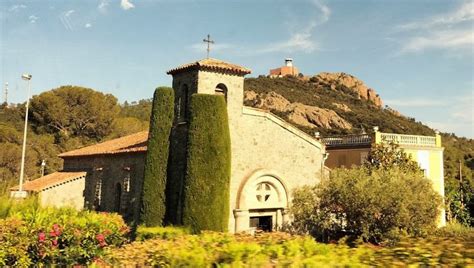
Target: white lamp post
{"x": 20, "y": 193}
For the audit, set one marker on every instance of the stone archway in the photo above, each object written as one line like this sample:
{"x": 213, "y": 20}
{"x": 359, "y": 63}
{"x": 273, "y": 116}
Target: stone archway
{"x": 262, "y": 202}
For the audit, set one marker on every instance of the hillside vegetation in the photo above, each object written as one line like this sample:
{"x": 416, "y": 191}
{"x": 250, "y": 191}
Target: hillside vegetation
{"x": 331, "y": 107}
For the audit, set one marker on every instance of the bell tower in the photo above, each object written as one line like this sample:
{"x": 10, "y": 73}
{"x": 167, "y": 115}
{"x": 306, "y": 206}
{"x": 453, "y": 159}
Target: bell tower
{"x": 208, "y": 76}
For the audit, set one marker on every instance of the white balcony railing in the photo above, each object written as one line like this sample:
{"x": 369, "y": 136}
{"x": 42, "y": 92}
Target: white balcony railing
{"x": 409, "y": 139}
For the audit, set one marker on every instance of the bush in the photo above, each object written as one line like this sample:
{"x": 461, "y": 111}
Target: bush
{"x": 154, "y": 182}
{"x": 206, "y": 191}
{"x": 169, "y": 232}
{"x": 33, "y": 236}
{"x": 211, "y": 249}
{"x": 375, "y": 206}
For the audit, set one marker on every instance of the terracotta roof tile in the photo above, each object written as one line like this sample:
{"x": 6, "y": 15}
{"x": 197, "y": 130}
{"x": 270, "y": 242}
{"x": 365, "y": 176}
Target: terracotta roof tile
{"x": 212, "y": 65}
{"x": 132, "y": 143}
{"x": 50, "y": 180}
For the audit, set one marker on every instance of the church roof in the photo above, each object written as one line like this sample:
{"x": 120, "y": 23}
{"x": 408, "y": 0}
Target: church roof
{"x": 211, "y": 64}
{"x": 132, "y": 143}
{"x": 50, "y": 180}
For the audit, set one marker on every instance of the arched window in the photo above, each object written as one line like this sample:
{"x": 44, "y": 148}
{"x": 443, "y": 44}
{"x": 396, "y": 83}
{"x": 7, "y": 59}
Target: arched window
{"x": 221, "y": 89}
{"x": 182, "y": 105}
{"x": 118, "y": 197}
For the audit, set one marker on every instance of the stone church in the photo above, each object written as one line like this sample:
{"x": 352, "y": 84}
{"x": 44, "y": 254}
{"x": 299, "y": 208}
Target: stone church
{"x": 270, "y": 157}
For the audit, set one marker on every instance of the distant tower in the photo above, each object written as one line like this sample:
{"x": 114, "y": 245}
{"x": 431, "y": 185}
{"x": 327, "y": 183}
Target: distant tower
{"x": 289, "y": 62}
{"x": 6, "y": 93}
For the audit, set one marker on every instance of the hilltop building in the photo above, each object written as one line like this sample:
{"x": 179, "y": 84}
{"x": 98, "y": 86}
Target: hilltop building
{"x": 352, "y": 150}
{"x": 287, "y": 69}
{"x": 270, "y": 157}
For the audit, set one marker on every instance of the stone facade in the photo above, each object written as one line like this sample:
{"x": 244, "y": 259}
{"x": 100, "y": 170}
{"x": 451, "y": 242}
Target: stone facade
{"x": 113, "y": 182}
{"x": 269, "y": 156}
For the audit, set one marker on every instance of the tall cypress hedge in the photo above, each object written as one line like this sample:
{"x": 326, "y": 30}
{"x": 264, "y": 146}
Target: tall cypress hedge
{"x": 207, "y": 182}
{"x": 154, "y": 182}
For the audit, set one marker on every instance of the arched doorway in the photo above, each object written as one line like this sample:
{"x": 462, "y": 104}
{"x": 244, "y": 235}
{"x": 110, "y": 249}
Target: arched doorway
{"x": 262, "y": 203}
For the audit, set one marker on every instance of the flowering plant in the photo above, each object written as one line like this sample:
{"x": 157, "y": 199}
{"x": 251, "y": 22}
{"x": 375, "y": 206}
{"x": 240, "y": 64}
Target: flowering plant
{"x": 58, "y": 236}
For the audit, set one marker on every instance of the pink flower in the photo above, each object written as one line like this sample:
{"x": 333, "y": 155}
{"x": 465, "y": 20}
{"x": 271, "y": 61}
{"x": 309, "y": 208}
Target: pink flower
{"x": 41, "y": 237}
{"x": 100, "y": 237}
{"x": 52, "y": 233}
{"x": 56, "y": 229}
{"x": 55, "y": 242}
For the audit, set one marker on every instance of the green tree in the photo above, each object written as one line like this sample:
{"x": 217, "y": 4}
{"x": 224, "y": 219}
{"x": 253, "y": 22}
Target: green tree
{"x": 388, "y": 156}
{"x": 154, "y": 184}
{"x": 373, "y": 205}
{"x": 206, "y": 191}
{"x": 72, "y": 111}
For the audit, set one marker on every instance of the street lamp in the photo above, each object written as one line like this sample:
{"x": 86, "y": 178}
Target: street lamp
{"x": 20, "y": 193}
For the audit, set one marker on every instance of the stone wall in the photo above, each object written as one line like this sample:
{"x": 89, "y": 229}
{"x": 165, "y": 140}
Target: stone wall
{"x": 112, "y": 170}
{"x": 265, "y": 144}
{"x": 265, "y": 149}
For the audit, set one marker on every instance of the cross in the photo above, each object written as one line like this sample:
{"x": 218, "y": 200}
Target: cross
{"x": 263, "y": 192}
{"x": 209, "y": 42}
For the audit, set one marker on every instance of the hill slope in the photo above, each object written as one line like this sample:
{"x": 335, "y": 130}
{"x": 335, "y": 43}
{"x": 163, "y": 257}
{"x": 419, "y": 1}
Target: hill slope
{"x": 335, "y": 105}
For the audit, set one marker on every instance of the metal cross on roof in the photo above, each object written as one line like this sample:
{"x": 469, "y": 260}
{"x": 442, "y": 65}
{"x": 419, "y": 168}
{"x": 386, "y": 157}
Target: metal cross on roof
{"x": 209, "y": 42}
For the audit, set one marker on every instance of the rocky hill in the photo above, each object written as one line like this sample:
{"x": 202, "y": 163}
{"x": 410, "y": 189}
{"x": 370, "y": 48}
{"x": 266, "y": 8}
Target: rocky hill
{"x": 331, "y": 103}
{"x": 346, "y": 82}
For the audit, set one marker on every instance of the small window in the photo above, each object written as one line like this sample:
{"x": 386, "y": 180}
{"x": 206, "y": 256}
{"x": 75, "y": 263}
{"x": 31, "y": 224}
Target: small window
{"x": 221, "y": 89}
{"x": 182, "y": 104}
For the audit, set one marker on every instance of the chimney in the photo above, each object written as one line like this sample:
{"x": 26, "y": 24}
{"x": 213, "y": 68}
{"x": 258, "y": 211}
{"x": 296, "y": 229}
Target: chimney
{"x": 289, "y": 62}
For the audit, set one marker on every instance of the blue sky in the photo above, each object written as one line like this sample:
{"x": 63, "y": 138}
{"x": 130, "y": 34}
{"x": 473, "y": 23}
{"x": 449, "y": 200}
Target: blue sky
{"x": 418, "y": 55}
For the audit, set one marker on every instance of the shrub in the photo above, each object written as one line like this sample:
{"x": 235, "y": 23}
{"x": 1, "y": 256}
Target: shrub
{"x": 169, "y": 232}
{"x": 154, "y": 182}
{"x": 210, "y": 249}
{"x": 206, "y": 191}
{"x": 375, "y": 206}
{"x": 58, "y": 236}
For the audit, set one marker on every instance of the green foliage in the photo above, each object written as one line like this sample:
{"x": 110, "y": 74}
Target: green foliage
{"x": 154, "y": 182}
{"x": 389, "y": 156}
{"x": 456, "y": 230}
{"x": 375, "y": 206}
{"x": 34, "y": 236}
{"x": 169, "y": 232}
{"x": 74, "y": 111}
{"x": 283, "y": 250}
{"x": 140, "y": 110}
{"x": 206, "y": 191}
{"x": 459, "y": 180}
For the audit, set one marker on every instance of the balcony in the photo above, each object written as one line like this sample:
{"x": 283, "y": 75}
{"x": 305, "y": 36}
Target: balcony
{"x": 349, "y": 140}
{"x": 364, "y": 140}
{"x": 409, "y": 140}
